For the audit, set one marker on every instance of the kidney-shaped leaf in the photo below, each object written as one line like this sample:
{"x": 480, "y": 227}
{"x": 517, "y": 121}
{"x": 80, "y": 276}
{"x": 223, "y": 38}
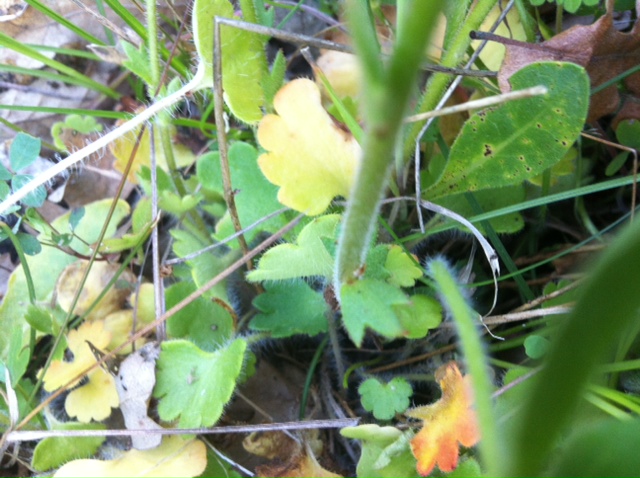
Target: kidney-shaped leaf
{"x": 195, "y": 385}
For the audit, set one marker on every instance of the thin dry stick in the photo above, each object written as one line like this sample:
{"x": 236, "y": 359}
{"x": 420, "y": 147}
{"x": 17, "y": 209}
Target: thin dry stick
{"x": 158, "y": 283}
{"x": 541, "y": 300}
{"x": 481, "y": 103}
{"x": 229, "y": 195}
{"x": 29, "y": 435}
{"x": 526, "y": 315}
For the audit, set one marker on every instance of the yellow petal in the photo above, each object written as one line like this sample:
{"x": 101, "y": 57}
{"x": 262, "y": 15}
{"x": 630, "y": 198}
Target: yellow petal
{"x": 309, "y": 157}
{"x": 93, "y": 400}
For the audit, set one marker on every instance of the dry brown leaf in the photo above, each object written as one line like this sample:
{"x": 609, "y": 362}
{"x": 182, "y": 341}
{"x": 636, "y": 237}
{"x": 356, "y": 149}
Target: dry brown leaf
{"x": 303, "y": 463}
{"x": 600, "y": 48}
{"x": 101, "y": 273}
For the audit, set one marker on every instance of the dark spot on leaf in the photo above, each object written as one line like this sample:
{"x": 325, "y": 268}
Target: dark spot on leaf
{"x": 528, "y": 168}
{"x": 521, "y": 158}
{"x": 538, "y": 125}
{"x": 487, "y": 150}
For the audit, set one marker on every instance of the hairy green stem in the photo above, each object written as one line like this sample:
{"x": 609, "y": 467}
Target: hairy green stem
{"x": 23, "y": 260}
{"x": 152, "y": 28}
{"x": 386, "y": 94}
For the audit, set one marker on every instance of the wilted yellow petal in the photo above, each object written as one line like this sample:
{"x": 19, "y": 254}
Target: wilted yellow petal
{"x": 174, "y": 457}
{"x": 309, "y": 156}
{"x": 100, "y": 275}
{"x": 60, "y": 372}
{"x": 123, "y": 147}
{"x": 95, "y": 399}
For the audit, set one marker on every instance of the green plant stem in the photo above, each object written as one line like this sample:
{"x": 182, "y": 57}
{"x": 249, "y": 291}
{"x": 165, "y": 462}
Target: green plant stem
{"x": 310, "y": 372}
{"x": 152, "y": 29}
{"x": 454, "y": 54}
{"x": 23, "y": 260}
{"x": 386, "y": 93}
{"x": 476, "y": 361}
{"x": 165, "y": 137}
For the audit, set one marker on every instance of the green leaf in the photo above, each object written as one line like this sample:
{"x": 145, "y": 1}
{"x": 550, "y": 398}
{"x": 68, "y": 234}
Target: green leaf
{"x": 18, "y": 356}
{"x": 255, "y": 197}
{"x": 385, "y": 452}
{"x": 176, "y": 204}
{"x": 204, "y": 322}
{"x": 40, "y": 318}
{"x": 419, "y": 316}
{"x": 243, "y": 59}
{"x": 24, "y": 151}
{"x": 5, "y": 174}
{"x": 196, "y": 385}
{"x": 137, "y": 61}
{"x": 536, "y": 346}
{"x": 30, "y": 244}
{"x": 54, "y": 452}
{"x": 275, "y": 79}
{"x": 628, "y": 133}
{"x": 290, "y": 308}
{"x": 34, "y": 198}
{"x": 76, "y": 216}
{"x": 309, "y": 257}
{"x": 506, "y": 145}
{"x": 385, "y": 400}
{"x": 205, "y": 266}
{"x": 468, "y": 468}
{"x": 402, "y": 268}
{"x": 606, "y": 448}
{"x": 76, "y": 124}
{"x": 370, "y": 303}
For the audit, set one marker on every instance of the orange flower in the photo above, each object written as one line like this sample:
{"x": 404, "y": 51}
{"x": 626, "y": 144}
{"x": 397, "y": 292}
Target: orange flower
{"x": 445, "y": 423}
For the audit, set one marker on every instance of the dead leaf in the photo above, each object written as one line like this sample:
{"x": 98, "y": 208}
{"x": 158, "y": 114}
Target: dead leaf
{"x": 11, "y": 9}
{"x": 271, "y": 444}
{"x": 99, "y": 276}
{"x": 123, "y": 147}
{"x": 303, "y": 463}
{"x": 135, "y": 381}
{"x": 445, "y": 423}
{"x": 600, "y": 48}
